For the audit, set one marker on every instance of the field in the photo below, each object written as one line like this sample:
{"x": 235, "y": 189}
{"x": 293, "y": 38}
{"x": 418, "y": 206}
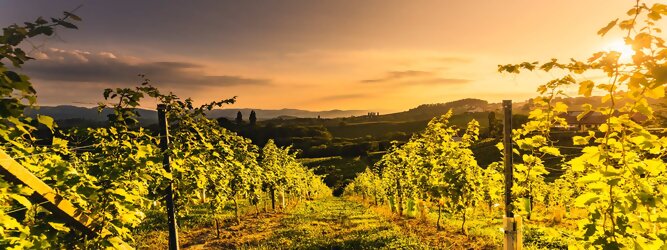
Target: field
{"x": 331, "y": 223}
{"x": 579, "y": 165}
{"x": 350, "y": 223}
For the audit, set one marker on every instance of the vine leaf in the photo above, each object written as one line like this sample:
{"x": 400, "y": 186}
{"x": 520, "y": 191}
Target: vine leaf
{"x": 585, "y": 199}
{"x": 13, "y": 76}
{"x": 22, "y": 200}
{"x": 59, "y": 226}
{"x": 606, "y": 29}
{"x": 46, "y": 120}
{"x": 656, "y": 93}
{"x": 586, "y": 87}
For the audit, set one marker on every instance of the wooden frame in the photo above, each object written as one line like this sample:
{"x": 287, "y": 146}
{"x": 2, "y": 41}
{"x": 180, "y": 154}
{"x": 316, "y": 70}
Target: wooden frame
{"x": 14, "y": 172}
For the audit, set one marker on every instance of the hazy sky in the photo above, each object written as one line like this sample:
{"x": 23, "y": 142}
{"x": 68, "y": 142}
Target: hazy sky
{"x": 384, "y": 55}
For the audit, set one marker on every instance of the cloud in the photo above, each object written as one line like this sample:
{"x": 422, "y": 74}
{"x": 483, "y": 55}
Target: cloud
{"x": 105, "y": 67}
{"x": 343, "y": 97}
{"x": 415, "y": 77}
{"x": 441, "y": 81}
{"x": 399, "y": 75}
{"x": 452, "y": 59}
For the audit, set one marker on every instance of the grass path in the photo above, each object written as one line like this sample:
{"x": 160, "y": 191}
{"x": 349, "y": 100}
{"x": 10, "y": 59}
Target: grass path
{"x": 332, "y": 223}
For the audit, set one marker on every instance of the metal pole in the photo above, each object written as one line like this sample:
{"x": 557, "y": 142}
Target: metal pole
{"x": 164, "y": 146}
{"x": 509, "y": 168}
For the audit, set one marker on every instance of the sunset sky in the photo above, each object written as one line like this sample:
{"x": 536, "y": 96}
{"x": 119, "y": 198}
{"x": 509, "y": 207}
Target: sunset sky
{"x": 382, "y": 55}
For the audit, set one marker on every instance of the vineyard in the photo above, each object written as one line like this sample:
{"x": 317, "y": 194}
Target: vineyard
{"x": 115, "y": 174}
{"x": 610, "y": 195}
{"x": 429, "y": 192}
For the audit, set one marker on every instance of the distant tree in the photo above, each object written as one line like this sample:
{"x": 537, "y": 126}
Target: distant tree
{"x": 252, "y": 118}
{"x": 526, "y": 107}
{"x": 239, "y": 118}
{"x": 661, "y": 112}
{"x": 492, "y": 121}
{"x": 226, "y": 123}
{"x": 495, "y": 125}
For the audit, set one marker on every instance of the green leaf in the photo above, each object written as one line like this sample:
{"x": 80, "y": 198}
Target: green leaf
{"x": 59, "y": 226}
{"x": 106, "y": 93}
{"x": 59, "y": 142}
{"x": 656, "y": 93}
{"x": 579, "y": 140}
{"x": 46, "y": 120}
{"x": 13, "y": 76}
{"x": 550, "y": 150}
{"x": 21, "y": 200}
{"x": 606, "y": 29}
{"x": 40, "y": 21}
{"x": 46, "y": 30}
{"x": 67, "y": 25}
{"x": 603, "y": 128}
{"x": 526, "y": 204}
{"x": 586, "y": 87}
{"x": 560, "y": 107}
{"x": 655, "y": 16}
{"x": 592, "y": 177}
{"x": 72, "y": 16}
{"x": 586, "y": 199}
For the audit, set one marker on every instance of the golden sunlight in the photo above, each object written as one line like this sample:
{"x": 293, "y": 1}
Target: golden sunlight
{"x": 621, "y": 47}
{"x": 329, "y": 124}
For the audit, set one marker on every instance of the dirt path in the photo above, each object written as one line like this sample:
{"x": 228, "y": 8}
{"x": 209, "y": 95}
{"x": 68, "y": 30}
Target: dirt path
{"x": 332, "y": 223}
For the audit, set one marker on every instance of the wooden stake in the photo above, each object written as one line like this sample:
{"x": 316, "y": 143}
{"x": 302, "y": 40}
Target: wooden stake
{"x": 511, "y": 224}
{"x": 164, "y": 146}
{"x": 14, "y": 172}
{"x": 509, "y": 168}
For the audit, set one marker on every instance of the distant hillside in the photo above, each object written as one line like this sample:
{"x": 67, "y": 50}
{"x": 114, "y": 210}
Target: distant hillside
{"x": 74, "y": 114}
{"x": 388, "y": 129}
{"x": 421, "y": 114}
{"x": 82, "y": 116}
{"x": 265, "y": 114}
{"x": 472, "y": 106}
{"x": 428, "y": 111}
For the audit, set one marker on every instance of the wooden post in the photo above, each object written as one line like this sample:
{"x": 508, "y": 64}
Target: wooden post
{"x": 513, "y": 233}
{"x": 509, "y": 168}
{"x": 511, "y": 224}
{"x": 164, "y": 146}
{"x": 14, "y": 172}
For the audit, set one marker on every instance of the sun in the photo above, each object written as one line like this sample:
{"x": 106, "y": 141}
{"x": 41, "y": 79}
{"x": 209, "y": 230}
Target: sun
{"x": 620, "y": 46}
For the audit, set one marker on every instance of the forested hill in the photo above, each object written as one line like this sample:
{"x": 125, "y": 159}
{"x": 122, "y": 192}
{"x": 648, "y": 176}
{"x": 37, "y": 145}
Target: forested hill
{"x": 84, "y": 116}
{"x": 428, "y": 111}
{"x": 69, "y": 115}
{"x": 81, "y": 116}
{"x": 263, "y": 114}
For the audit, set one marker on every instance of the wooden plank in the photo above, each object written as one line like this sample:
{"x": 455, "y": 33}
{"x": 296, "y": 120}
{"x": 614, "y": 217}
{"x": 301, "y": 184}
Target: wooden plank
{"x": 510, "y": 237}
{"x": 56, "y": 204}
{"x": 518, "y": 228}
{"x": 14, "y": 172}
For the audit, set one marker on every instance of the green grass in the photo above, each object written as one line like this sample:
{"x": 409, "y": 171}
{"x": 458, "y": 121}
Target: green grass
{"x": 335, "y": 223}
{"x": 318, "y": 161}
{"x": 339, "y": 171}
{"x": 483, "y": 226}
{"x": 332, "y": 223}
{"x": 349, "y": 223}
